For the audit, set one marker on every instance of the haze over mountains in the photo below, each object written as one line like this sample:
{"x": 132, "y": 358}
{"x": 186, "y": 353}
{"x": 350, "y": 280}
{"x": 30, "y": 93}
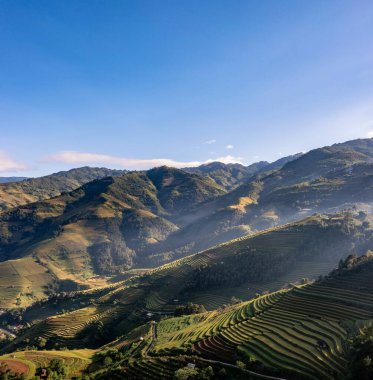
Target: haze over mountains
{"x": 11, "y": 179}
{"x": 146, "y": 218}
{"x": 76, "y": 250}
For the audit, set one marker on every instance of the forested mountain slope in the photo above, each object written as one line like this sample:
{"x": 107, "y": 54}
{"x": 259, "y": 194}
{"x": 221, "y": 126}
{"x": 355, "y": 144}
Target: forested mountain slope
{"x": 241, "y": 268}
{"x": 298, "y": 332}
{"x": 101, "y": 227}
{"x": 148, "y": 218}
{"x": 323, "y": 180}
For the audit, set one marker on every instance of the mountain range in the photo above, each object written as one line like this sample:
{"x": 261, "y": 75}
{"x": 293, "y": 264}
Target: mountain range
{"x": 146, "y": 218}
{"x": 28, "y": 190}
{"x": 219, "y": 271}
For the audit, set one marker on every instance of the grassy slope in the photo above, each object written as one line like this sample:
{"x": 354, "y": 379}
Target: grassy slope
{"x": 119, "y": 307}
{"x": 22, "y": 281}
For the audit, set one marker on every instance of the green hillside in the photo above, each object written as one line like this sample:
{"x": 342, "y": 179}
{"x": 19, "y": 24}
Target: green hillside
{"x": 323, "y": 180}
{"x": 287, "y": 325}
{"x": 102, "y": 227}
{"x": 299, "y": 333}
{"x": 239, "y": 269}
{"x": 145, "y": 219}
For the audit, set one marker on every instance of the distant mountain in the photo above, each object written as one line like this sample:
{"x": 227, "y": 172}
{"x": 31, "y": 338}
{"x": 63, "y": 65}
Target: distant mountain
{"x": 278, "y": 164}
{"x": 105, "y": 225}
{"x": 228, "y": 176}
{"x": 11, "y": 179}
{"x": 271, "y": 241}
{"x": 148, "y": 218}
{"x": 36, "y": 189}
{"x": 323, "y": 180}
{"x": 231, "y": 176}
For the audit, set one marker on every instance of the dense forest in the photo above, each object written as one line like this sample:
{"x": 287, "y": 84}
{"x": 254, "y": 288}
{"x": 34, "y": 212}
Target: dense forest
{"x": 253, "y": 263}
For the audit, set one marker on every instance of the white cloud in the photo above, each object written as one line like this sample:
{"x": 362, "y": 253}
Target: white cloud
{"x": 229, "y": 146}
{"x": 370, "y": 134}
{"x": 209, "y": 142}
{"x": 7, "y": 164}
{"x": 83, "y": 158}
{"x": 228, "y": 160}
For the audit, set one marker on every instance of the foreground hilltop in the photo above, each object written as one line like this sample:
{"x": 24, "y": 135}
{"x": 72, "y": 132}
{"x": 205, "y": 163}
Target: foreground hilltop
{"x": 299, "y": 332}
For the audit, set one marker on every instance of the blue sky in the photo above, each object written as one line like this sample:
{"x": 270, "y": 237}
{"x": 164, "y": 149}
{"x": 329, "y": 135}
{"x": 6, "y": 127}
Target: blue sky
{"x": 139, "y": 83}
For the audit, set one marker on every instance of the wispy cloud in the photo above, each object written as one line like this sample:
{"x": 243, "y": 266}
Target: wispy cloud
{"x": 8, "y": 164}
{"x": 229, "y": 146}
{"x": 370, "y": 134}
{"x": 209, "y": 142}
{"x": 83, "y": 158}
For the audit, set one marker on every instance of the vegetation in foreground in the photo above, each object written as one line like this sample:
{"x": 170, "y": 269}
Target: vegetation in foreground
{"x": 312, "y": 331}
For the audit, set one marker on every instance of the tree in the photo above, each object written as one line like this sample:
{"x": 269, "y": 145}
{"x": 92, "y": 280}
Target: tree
{"x": 222, "y": 374}
{"x": 240, "y": 364}
{"x": 57, "y": 370}
{"x": 189, "y": 308}
{"x": 361, "y": 355}
{"x": 206, "y": 373}
{"x": 235, "y": 300}
{"x": 185, "y": 373}
{"x": 108, "y": 361}
{"x": 41, "y": 342}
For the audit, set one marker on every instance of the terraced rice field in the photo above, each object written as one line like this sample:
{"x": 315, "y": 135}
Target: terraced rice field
{"x": 28, "y": 361}
{"x": 65, "y": 328}
{"x": 155, "y": 368}
{"x": 197, "y": 327}
{"x": 214, "y": 299}
{"x": 301, "y": 330}
{"x": 289, "y": 239}
{"x": 151, "y": 368}
{"x": 23, "y": 279}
